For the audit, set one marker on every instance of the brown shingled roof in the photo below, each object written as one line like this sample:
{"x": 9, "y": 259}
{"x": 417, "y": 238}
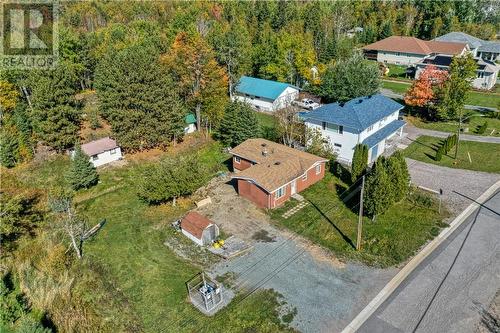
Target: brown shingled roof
{"x": 415, "y": 45}
{"x": 99, "y": 146}
{"x": 278, "y": 166}
{"x": 195, "y": 223}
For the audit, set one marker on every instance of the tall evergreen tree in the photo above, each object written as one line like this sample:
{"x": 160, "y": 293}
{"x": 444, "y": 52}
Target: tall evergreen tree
{"x": 82, "y": 173}
{"x": 377, "y": 197}
{"x": 359, "y": 161}
{"x": 139, "y": 98}
{"x": 239, "y": 123}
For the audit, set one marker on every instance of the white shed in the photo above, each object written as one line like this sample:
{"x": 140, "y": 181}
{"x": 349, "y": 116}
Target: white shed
{"x": 199, "y": 229}
{"x": 102, "y": 151}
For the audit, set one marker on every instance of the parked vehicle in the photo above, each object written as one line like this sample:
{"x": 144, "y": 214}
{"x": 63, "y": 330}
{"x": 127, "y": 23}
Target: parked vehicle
{"x": 307, "y": 104}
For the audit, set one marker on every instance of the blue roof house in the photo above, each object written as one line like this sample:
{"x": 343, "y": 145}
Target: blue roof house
{"x": 370, "y": 120}
{"x": 265, "y": 95}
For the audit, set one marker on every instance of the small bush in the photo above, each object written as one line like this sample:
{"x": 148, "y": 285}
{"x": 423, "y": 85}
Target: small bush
{"x": 439, "y": 153}
{"x": 482, "y": 128}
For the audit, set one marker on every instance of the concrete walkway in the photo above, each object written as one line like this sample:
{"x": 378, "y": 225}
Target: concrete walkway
{"x": 415, "y": 132}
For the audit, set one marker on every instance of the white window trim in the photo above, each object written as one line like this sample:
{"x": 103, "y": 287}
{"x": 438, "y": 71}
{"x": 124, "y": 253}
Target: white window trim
{"x": 278, "y": 191}
{"x": 112, "y": 151}
{"x": 304, "y": 176}
{"x": 237, "y": 159}
{"x": 318, "y": 169}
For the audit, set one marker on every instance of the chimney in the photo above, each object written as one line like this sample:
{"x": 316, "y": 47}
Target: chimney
{"x": 264, "y": 152}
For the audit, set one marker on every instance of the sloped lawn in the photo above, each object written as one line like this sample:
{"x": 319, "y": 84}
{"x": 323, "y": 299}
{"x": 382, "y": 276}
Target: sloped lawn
{"x": 394, "y": 237}
{"x": 483, "y": 156}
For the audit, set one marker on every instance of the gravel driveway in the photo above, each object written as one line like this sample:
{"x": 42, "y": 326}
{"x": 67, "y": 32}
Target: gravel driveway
{"x": 326, "y": 292}
{"x": 466, "y": 182}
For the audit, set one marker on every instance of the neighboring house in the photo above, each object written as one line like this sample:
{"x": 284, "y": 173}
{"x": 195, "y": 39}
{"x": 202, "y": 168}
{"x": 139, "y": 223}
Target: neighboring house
{"x": 190, "y": 121}
{"x": 269, "y": 173}
{"x": 402, "y": 50}
{"x": 487, "y": 50}
{"x": 102, "y": 151}
{"x": 199, "y": 229}
{"x": 265, "y": 95}
{"x": 354, "y": 31}
{"x": 487, "y": 71}
{"x": 370, "y": 120}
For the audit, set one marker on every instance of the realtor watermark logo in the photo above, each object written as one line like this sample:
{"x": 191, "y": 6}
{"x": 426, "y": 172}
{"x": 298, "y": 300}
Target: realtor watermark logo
{"x": 29, "y": 34}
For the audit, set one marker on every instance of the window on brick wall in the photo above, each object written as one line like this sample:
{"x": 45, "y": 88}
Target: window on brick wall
{"x": 237, "y": 159}
{"x": 280, "y": 192}
{"x": 318, "y": 169}
{"x": 304, "y": 177}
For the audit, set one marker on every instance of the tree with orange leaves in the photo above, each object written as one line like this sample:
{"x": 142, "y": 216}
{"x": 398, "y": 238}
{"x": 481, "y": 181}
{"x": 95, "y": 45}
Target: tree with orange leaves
{"x": 202, "y": 81}
{"x": 423, "y": 90}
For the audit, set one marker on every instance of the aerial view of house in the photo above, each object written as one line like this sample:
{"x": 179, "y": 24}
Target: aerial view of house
{"x": 250, "y": 166}
{"x": 265, "y": 95}
{"x": 269, "y": 173}
{"x": 370, "y": 120}
{"x": 102, "y": 151}
{"x": 487, "y": 71}
{"x": 406, "y": 50}
{"x": 487, "y": 50}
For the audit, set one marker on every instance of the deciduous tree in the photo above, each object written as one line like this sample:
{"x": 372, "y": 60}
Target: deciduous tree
{"x": 349, "y": 79}
{"x": 422, "y": 91}
{"x": 202, "y": 81}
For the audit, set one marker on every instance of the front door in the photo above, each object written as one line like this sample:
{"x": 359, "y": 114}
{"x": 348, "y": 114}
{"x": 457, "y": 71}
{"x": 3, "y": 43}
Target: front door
{"x": 294, "y": 187}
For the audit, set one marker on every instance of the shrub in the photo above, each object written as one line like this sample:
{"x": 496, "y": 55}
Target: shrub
{"x": 439, "y": 153}
{"x": 482, "y": 128}
{"x": 359, "y": 161}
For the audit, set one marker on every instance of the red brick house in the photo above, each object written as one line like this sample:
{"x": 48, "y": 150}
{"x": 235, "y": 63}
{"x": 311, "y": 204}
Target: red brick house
{"x": 268, "y": 173}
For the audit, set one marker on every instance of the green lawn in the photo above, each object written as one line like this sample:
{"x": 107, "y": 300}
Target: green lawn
{"x": 396, "y": 71}
{"x": 266, "y": 120}
{"x": 131, "y": 253}
{"x": 484, "y": 156}
{"x": 394, "y": 237}
{"x": 474, "y": 98}
{"x": 451, "y": 127}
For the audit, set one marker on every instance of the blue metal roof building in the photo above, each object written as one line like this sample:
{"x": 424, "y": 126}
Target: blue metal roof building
{"x": 261, "y": 88}
{"x": 358, "y": 114}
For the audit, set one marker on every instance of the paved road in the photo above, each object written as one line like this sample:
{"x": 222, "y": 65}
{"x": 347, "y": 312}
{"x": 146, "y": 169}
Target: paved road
{"x": 446, "y": 292}
{"x": 471, "y": 183}
{"x": 415, "y": 132}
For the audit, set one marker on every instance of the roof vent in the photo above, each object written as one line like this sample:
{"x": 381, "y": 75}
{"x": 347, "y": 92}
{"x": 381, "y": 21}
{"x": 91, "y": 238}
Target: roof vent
{"x": 369, "y": 96}
{"x": 360, "y": 101}
{"x": 263, "y": 144}
{"x": 341, "y": 104}
{"x": 277, "y": 163}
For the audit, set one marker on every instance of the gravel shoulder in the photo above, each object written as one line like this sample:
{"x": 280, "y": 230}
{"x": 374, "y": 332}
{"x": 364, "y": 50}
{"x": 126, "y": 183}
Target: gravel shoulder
{"x": 469, "y": 183}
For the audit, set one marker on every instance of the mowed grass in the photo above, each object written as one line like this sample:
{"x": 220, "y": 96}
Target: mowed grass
{"x": 266, "y": 120}
{"x": 394, "y": 237}
{"x": 483, "y": 156}
{"x": 486, "y": 99}
{"x": 130, "y": 248}
{"x": 472, "y": 124}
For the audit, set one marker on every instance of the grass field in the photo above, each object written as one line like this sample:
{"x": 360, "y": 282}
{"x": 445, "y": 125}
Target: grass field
{"x": 474, "y": 97}
{"x": 472, "y": 124}
{"x": 484, "y": 156}
{"x": 130, "y": 248}
{"x": 393, "y": 238}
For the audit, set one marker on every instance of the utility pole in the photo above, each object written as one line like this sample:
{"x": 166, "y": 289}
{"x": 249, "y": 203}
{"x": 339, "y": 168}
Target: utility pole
{"x": 458, "y": 134}
{"x": 360, "y": 217}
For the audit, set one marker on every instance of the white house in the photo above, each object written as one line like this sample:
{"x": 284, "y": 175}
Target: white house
{"x": 102, "y": 151}
{"x": 370, "y": 120}
{"x": 265, "y": 95}
{"x": 487, "y": 50}
{"x": 403, "y": 50}
{"x": 199, "y": 229}
{"x": 486, "y": 74}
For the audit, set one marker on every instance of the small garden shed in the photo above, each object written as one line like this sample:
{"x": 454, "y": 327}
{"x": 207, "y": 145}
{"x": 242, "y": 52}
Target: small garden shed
{"x": 199, "y": 229}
